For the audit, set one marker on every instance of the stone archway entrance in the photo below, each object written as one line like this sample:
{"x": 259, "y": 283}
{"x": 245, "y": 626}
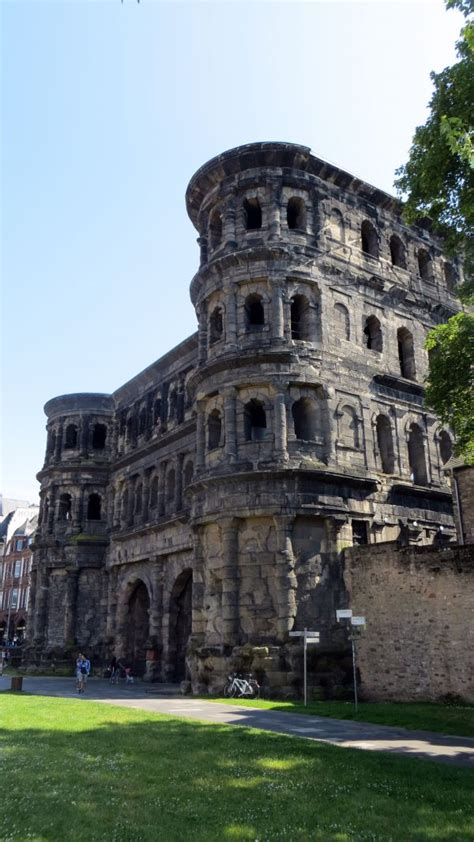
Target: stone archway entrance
{"x": 180, "y": 624}
{"x": 138, "y": 627}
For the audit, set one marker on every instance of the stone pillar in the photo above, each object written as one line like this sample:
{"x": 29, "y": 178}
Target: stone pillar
{"x": 199, "y": 618}
{"x": 41, "y": 605}
{"x": 230, "y": 226}
{"x": 230, "y": 581}
{"x": 285, "y": 581}
{"x": 231, "y": 318}
{"x": 59, "y": 442}
{"x": 200, "y": 436}
{"x": 161, "y": 488}
{"x": 52, "y": 510}
{"x": 281, "y": 432}
{"x": 274, "y": 214}
{"x": 203, "y": 250}
{"x": 84, "y": 435}
{"x": 230, "y": 423}
{"x": 342, "y": 533}
{"x": 145, "y": 495}
{"x": 202, "y": 332}
{"x": 70, "y": 607}
{"x": 278, "y": 318}
{"x": 178, "y": 488}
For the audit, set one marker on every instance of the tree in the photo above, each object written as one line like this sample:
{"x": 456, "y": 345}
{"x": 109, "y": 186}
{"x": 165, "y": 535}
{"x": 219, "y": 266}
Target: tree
{"x": 438, "y": 179}
{"x": 438, "y": 182}
{"x": 449, "y": 387}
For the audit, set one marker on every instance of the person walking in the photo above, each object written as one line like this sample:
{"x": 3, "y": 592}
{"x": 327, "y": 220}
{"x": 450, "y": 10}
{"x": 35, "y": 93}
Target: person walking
{"x": 83, "y": 668}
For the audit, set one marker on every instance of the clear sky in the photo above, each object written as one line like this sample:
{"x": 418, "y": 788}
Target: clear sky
{"x": 108, "y": 108}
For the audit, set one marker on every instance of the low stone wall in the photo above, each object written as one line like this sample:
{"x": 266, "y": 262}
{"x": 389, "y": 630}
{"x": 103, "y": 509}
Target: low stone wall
{"x": 419, "y": 605}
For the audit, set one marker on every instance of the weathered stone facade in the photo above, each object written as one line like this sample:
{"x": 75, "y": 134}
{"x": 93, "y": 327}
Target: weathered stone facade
{"x": 419, "y": 605}
{"x": 194, "y": 517}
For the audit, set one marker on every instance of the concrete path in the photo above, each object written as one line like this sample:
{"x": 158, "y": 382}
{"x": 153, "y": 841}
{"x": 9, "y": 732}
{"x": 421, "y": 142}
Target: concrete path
{"x": 166, "y": 699}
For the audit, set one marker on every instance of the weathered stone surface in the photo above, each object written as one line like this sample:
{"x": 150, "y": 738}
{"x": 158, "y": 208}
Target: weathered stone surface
{"x": 204, "y": 505}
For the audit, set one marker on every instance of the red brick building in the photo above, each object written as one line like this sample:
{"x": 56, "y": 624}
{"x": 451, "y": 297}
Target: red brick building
{"x": 15, "y": 566}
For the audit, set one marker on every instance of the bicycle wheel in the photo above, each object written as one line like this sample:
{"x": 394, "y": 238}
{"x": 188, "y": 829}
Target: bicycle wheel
{"x": 229, "y": 690}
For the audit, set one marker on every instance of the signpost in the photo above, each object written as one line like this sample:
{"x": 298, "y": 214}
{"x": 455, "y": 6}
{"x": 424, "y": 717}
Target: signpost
{"x": 308, "y": 638}
{"x": 357, "y": 624}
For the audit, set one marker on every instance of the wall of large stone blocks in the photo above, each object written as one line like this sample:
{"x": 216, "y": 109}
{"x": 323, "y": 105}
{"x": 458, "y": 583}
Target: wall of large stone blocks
{"x": 464, "y": 478}
{"x": 419, "y": 604}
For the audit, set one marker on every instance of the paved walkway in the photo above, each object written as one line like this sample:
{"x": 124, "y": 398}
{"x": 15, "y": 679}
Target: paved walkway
{"x": 166, "y": 699}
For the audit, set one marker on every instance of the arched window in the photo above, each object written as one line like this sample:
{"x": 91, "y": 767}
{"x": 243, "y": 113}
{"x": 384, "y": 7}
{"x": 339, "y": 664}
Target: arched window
{"x": 343, "y": 322}
{"x": 445, "y": 446}
{"x": 369, "y": 239}
{"x": 450, "y": 275}
{"x": 252, "y": 214}
{"x": 216, "y": 325}
{"x": 93, "y": 507}
{"x": 300, "y": 318}
{"x": 349, "y": 427}
{"x": 296, "y": 214}
{"x": 214, "y": 429}
{"x": 138, "y": 498}
{"x": 425, "y": 266}
{"x": 170, "y": 489}
{"x": 99, "y": 436}
{"x": 70, "y": 440}
{"x": 373, "y": 332}
{"x": 215, "y": 229}
{"x": 142, "y": 421}
{"x": 131, "y": 427}
{"x": 188, "y": 473}
{"x": 336, "y": 225}
{"x": 305, "y": 419}
{"x": 254, "y": 312}
{"x": 65, "y": 507}
{"x": 153, "y": 500}
{"x": 124, "y": 509}
{"x": 172, "y": 403}
{"x": 416, "y": 455}
{"x": 397, "y": 251}
{"x": 385, "y": 444}
{"x": 157, "y": 411}
{"x": 406, "y": 354}
{"x": 255, "y": 421}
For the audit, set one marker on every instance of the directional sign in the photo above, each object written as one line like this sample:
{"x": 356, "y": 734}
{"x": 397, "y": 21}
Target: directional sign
{"x": 343, "y": 614}
{"x": 358, "y": 621}
{"x": 306, "y": 632}
{"x": 312, "y": 639}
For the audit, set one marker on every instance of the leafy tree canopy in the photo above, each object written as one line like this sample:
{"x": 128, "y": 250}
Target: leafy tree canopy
{"x": 438, "y": 179}
{"x": 450, "y": 391}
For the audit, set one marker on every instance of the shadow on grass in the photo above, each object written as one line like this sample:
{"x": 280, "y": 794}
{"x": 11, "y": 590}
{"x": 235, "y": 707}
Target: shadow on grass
{"x": 85, "y": 772}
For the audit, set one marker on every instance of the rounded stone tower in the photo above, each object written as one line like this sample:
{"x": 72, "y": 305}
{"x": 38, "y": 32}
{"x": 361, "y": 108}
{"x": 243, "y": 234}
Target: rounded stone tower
{"x": 72, "y": 534}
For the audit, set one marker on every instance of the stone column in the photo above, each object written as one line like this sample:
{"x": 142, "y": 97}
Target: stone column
{"x": 52, "y": 510}
{"x": 200, "y": 436}
{"x": 231, "y": 318}
{"x": 59, "y": 442}
{"x": 342, "y": 533}
{"x": 230, "y": 581}
{"x": 178, "y": 488}
{"x": 281, "y": 432}
{"x": 41, "y": 605}
{"x": 161, "y": 488}
{"x": 84, "y": 435}
{"x": 199, "y": 618}
{"x": 145, "y": 495}
{"x": 202, "y": 242}
{"x": 230, "y": 226}
{"x": 70, "y": 607}
{"x": 278, "y": 317}
{"x": 274, "y": 214}
{"x": 285, "y": 577}
{"x": 230, "y": 423}
{"x": 202, "y": 332}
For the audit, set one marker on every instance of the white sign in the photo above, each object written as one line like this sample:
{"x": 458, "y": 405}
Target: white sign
{"x": 343, "y": 614}
{"x": 305, "y": 632}
{"x": 312, "y": 639}
{"x": 358, "y": 621}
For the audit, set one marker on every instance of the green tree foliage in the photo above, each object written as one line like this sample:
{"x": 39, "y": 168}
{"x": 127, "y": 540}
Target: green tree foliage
{"x": 438, "y": 179}
{"x": 450, "y": 391}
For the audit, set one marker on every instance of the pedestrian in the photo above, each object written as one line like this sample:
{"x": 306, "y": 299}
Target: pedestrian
{"x": 83, "y": 668}
{"x": 114, "y": 670}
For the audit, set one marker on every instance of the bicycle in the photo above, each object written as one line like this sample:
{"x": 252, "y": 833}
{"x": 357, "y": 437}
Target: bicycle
{"x": 239, "y": 686}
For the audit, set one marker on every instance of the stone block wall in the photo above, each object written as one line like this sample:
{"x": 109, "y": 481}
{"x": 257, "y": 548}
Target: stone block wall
{"x": 419, "y": 606}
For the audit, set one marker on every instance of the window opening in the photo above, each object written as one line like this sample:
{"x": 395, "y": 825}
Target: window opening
{"x": 99, "y": 436}
{"x": 300, "y": 317}
{"x": 425, "y": 267}
{"x": 373, "y": 332}
{"x": 154, "y": 492}
{"x": 70, "y": 441}
{"x": 305, "y": 419}
{"x": 65, "y": 507}
{"x": 215, "y": 229}
{"x": 445, "y": 446}
{"x": 254, "y": 312}
{"x": 370, "y": 243}
{"x": 255, "y": 421}
{"x": 406, "y": 354}
{"x": 397, "y": 251}
{"x": 214, "y": 429}
{"x": 296, "y": 214}
{"x": 385, "y": 444}
{"x": 252, "y": 214}
{"x": 216, "y": 325}
{"x": 94, "y": 507}
{"x": 416, "y": 455}
{"x": 450, "y": 275}
{"x": 343, "y": 321}
{"x": 359, "y": 533}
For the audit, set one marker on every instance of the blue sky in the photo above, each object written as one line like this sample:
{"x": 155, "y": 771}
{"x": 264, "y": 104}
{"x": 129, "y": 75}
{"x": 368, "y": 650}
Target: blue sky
{"x": 108, "y": 108}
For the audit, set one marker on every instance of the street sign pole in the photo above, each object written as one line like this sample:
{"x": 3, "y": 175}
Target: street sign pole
{"x": 354, "y": 671}
{"x": 304, "y": 669}
{"x": 308, "y": 638}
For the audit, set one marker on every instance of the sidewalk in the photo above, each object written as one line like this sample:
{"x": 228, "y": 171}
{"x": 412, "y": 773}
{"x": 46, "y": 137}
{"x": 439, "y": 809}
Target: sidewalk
{"x": 166, "y": 699}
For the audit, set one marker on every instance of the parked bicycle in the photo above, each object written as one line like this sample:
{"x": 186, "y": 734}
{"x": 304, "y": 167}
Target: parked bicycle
{"x": 238, "y": 686}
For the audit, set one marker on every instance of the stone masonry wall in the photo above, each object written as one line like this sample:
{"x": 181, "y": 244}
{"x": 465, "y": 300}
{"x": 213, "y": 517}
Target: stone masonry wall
{"x": 419, "y": 604}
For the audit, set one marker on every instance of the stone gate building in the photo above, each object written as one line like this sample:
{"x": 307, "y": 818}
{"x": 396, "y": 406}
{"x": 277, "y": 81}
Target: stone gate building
{"x": 195, "y": 516}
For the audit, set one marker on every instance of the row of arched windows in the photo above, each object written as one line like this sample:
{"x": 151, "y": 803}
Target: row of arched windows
{"x": 65, "y": 507}
{"x": 160, "y": 499}
{"x": 296, "y": 220}
{"x": 69, "y": 439}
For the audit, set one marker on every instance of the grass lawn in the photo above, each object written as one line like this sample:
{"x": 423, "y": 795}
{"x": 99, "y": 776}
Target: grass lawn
{"x": 79, "y": 770}
{"x": 424, "y": 716}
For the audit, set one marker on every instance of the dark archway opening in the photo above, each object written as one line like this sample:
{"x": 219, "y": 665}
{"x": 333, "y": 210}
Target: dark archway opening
{"x": 252, "y": 214}
{"x": 180, "y": 624}
{"x": 99, "y": 436}
{"x": 138, "y": 621}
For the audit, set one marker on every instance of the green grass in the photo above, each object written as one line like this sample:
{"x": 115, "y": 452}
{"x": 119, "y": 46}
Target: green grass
{"x": 79, "y": 770}
{"x": 454, "y": 719}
